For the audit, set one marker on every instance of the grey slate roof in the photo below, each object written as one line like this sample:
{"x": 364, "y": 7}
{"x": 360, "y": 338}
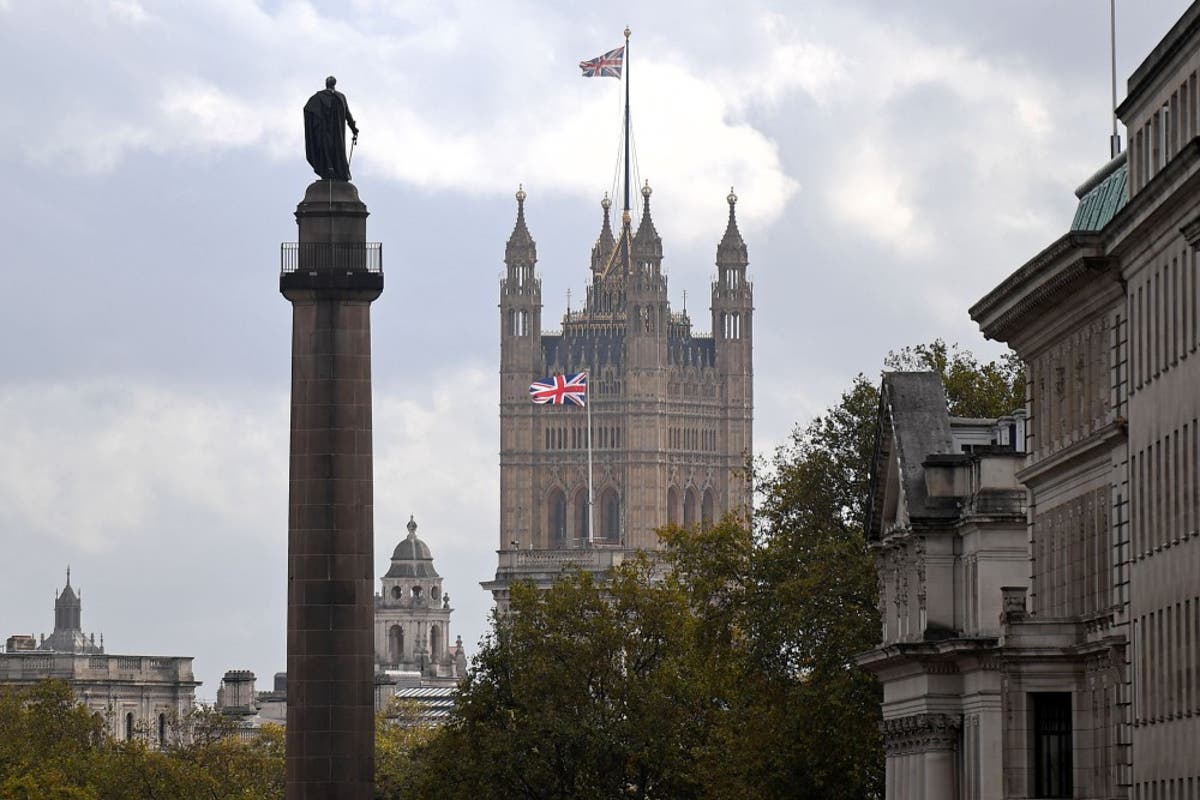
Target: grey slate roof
{"x": 914, "y": 419}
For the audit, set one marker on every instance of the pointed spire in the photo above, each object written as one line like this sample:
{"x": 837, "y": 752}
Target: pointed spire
{"x": 521, "y": 247}
{"x": 605, "y": 243}
{"x": 646, "y": 242}
{"x": 731, "y": 252}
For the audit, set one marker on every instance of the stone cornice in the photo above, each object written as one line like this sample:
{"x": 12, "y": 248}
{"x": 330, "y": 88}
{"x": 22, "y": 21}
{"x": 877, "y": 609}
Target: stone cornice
{"x": 1075, "y": 452}
{"x": 920, "y": 733}
{"x": 1049, "y": 275}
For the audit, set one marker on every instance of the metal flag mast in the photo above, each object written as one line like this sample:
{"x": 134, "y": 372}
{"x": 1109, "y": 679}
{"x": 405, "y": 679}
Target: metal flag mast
{"x": 587, "y": 403}
{"x": 626, "y": 220}
{"x": 626, "y": 214}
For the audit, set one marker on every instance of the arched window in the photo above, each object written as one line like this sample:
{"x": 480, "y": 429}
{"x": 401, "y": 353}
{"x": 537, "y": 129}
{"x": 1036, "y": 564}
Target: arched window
{"x": 581, "y": 516}
{"x": 706, "y": 510}
{"x": 689, "y": 507}
{"x": 396, "y": 645}
{"x": 433, "y": 593}
{"x": 556, "y": 518}
{"x": 162, "y": 730}
{"x": 128, "y": 726}
{"x": 397, "y": 593}
{"x": 672, "y": 506}
{"x": 435, "y": 642}
{"x": 610, "y": 516}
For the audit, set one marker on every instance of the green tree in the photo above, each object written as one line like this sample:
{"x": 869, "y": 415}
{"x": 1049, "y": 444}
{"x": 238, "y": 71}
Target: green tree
{"x": 399, "y": 732}
{"x": 584, "y": 691}
{"x": 973, "y": 388}
{"x": 48, "y": 743}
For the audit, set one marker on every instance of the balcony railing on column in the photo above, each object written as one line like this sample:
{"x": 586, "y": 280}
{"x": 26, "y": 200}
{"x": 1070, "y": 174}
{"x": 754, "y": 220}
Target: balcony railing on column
{"x": 320, "y": 257}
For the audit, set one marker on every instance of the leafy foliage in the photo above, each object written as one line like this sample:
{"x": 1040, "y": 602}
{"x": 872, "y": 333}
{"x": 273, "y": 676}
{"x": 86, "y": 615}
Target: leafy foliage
{"x": 973, "y": 389}
{"x": 54, "y": 748}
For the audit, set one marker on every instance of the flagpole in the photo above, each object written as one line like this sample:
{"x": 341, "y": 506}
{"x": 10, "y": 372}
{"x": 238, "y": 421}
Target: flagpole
{"x": 627, "y": 210}
{"x": 626, "y": 217}
{"x": 587, "y": 401}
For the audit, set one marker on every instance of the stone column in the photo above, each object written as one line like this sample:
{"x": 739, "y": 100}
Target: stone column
{"x": 331, "y": 278}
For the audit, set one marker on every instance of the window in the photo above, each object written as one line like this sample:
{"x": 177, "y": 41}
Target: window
{"x": 1052, "y": 744}
{"x": 162, "y": 730}
{"x": 396, "y": 645}
{"x": 610, "y": 515}
{"x": 557, "y": 508}
{"x": 128, "y": 726}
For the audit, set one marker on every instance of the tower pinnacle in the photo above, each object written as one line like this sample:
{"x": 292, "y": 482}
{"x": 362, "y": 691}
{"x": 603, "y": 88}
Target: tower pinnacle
{"x": 732, "y": 249}
{"x": 520, "y": 247}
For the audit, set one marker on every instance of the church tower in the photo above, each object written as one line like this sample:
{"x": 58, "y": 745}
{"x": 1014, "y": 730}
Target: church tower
{"x": 670, "y": 411}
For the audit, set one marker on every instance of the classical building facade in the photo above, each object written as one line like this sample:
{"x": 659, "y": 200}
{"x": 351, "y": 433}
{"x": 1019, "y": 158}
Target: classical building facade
{"x": 414, "y": 657}
{"x": 1094, "y": 673}
{"x": 412, "y": 618}
{"x": 136, "y": 695}
{"x": 671, "y": 411}
{"x": 947, "y": 525}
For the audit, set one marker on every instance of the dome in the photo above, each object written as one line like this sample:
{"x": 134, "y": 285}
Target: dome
{"x": 411, "y": 558}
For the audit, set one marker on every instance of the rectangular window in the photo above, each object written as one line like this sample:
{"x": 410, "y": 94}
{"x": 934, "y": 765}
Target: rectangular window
{"x": 1052, "y": 744}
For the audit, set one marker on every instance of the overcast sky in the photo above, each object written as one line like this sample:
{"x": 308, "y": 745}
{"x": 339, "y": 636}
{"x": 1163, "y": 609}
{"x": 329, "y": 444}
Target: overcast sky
{"x": 894, "y": 162}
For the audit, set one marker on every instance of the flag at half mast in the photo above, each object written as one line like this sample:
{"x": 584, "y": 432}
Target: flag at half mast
{"x": 605, "y": 66}
{"x": 559, "y": 390}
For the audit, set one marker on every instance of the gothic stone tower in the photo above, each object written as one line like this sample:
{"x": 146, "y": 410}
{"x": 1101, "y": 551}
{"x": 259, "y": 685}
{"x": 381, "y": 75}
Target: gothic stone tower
{"x": 331, "y": 276}
{"x": 672, "y": 412}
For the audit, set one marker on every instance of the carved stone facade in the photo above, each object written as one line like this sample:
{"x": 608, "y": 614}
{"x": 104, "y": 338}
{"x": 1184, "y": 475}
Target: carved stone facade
{"x": 1086, "y": 684}
{"x": 947, "y": 525}
{"x": 671, "y": 411}
{"x": 138, "y": 696}
{"x": 412, "y": 618}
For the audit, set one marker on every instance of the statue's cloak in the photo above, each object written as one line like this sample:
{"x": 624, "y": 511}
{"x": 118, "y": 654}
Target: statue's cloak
{"x": 325, "y": 116}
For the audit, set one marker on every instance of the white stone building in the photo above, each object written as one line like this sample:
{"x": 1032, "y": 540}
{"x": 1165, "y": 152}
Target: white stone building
{"x": 137, "y": 695}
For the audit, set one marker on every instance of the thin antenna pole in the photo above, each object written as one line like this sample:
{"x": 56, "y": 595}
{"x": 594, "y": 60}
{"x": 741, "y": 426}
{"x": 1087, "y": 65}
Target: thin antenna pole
{"x": 1114, "y": 143}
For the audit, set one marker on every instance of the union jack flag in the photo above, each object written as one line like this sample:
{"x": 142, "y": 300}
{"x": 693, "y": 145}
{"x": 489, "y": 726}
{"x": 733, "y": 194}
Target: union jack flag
{"x": 559, "y": 390}
{"x": 605, "y": 66}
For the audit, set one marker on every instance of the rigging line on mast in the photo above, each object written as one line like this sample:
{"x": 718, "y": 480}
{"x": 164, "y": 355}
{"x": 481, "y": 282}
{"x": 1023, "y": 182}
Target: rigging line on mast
{"x": 616, "y": 178}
